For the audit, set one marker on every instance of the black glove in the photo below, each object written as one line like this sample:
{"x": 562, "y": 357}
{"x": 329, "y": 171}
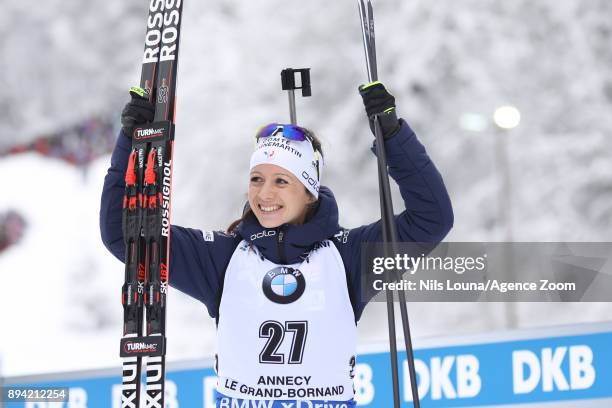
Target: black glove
{"x": 378, "y": 101}
{"x": 138, "y": 111}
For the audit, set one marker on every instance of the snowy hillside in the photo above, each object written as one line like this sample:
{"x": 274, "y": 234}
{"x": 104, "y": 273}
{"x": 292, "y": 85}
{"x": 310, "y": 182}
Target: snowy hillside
{"x": 65, "y": 60}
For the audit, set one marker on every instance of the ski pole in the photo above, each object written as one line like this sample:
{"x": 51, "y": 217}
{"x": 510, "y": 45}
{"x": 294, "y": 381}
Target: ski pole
{"x": 388, "y": 225}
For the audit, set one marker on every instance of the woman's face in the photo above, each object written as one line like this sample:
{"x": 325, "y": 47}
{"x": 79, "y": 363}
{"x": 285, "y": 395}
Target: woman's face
{"x": 276, "y": 196}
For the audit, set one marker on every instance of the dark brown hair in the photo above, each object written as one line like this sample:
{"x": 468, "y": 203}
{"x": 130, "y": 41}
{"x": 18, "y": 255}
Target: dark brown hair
{"x": 310, "y": 208}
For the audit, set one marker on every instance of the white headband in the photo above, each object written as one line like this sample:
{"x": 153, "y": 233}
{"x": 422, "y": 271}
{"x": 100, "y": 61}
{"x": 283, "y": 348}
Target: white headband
{"x": 297, "y": 157}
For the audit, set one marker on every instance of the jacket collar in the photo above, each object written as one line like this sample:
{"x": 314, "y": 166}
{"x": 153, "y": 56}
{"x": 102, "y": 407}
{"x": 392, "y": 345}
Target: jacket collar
{"x": 289, "y": 243}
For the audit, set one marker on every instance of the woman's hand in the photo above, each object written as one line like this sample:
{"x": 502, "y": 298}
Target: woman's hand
{"x": 378, "y": 101}
{"x": 137, "y": 112}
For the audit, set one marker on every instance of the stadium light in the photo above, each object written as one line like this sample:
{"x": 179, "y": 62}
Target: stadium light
{"x": 507, "y": 117}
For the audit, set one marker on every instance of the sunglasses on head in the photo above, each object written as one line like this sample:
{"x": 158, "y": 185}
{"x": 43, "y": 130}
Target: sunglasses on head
{"x": 291, "y": 132}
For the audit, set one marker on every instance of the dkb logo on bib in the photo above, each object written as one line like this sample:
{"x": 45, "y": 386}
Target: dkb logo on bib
{"x": 283, "y": 285}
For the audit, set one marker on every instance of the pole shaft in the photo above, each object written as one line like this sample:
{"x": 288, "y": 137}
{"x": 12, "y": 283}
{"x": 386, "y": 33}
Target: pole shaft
{"x": 388, "y": 221}
{"x": 292, "y": 113}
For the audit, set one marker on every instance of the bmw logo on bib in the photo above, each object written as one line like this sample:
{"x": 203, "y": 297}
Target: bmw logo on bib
{"x": 283, "y": 285}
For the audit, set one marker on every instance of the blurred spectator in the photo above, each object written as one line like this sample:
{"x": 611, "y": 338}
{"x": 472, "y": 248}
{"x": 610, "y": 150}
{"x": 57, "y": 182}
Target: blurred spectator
{"x": 79, "y": 144}
{"x": 12, "y": 227}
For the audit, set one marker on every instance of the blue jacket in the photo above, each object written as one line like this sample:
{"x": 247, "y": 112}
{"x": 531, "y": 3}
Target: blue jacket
{"x": 198, "y": 260}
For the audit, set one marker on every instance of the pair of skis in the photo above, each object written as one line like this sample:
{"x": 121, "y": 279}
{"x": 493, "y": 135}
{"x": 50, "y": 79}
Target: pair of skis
{"x": 146, "y": 213}
{"x": 366, "y": 13}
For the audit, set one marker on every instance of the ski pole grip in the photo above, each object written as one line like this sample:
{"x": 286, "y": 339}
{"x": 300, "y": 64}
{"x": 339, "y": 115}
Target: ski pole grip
{"x": 288, "y": 80}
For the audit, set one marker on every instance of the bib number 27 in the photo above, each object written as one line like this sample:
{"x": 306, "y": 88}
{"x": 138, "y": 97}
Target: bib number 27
{"x": 275, "y": 332}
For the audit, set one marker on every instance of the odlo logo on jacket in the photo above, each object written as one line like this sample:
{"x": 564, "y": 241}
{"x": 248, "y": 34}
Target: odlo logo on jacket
{"x": 264, "y": 233}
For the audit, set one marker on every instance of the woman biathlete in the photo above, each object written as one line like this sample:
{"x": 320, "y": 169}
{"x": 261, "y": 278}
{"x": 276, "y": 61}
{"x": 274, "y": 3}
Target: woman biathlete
{"x": 284, "y": 281}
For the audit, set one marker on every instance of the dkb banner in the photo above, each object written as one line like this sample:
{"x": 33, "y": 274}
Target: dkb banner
{"x": 568, "y": 367}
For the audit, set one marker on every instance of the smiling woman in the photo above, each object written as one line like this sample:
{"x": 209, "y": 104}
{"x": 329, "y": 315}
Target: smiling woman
{"x": 276, "y": 195}
{"x": 286, "y": 275}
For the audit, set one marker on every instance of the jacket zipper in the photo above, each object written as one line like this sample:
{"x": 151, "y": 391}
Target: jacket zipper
{"x": 281, "y": 245}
